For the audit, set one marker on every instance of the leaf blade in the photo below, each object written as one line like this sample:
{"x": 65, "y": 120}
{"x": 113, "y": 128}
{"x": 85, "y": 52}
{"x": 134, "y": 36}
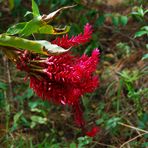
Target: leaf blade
{"x": 31, "y": 27}
{"x": 123, "y": 20}
{"x": 48, "y": 18}
{"x": 35, "y": 9}
{"x": 140, "y": 33}
{"x": 16, "y": 29}
{"x": 41, "y": 46}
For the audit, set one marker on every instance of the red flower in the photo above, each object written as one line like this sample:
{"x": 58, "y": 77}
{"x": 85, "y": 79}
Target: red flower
{"x": 93, "y": 131}
{"x": 63, "y": 79}
{"x": 65, "y": 42}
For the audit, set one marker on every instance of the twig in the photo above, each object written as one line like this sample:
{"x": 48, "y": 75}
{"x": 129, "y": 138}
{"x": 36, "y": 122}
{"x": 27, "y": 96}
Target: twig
{"x": 132, "y": 127}
{"x": 103, "y": 144}
{"x": 131, "y": 124}
{"x": 132, "y": 139}
{"x": 9, "y": 94}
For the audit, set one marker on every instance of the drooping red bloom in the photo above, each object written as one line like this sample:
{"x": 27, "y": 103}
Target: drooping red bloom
{"x": 93, "y": 131}
{"x": 63, "y": 79}
{"x": 67, "y": 42}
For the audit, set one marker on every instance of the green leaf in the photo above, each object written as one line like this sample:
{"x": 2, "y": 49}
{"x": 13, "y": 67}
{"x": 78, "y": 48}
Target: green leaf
{"x": 48, "y": 29}
{"x": 145, "y": 145}
{"x": 143, "y": 31}
{"x": 100, "y": 20}
{"x": 73, "y": 145}
{"x": 38, "y": 110}
{"x": 31, "y": 27}
{"x": 146, "y": 11}
{"x": 145, "y": 28}
{"x": 115, "y": 20}
{"x": 99, "y": 121}
{"x": 145, "y": 56}
{"x": 26, "y": 28}
{"x": 26, "y": 95}
{"x": 27, "y": 13}
{"x": 25, "y": 122}
{"x": 140, "y": 33}
{"x": 38, "y": 46}
{"x": 17, "y": 117}
{"x": 112, "y": 122}
{"x": 16, "y": 29}
{"x": 33, "y": 104}
{"x": 123, "y": 20}
{"x": 38, "y": 103}
{"x": 3, "y": 86}
{"x": 35, "y": 9}
{"x": 82, "y": 141}
{"x": 33, "y": 124}
{"x": 129, "y": 76}
{"x": 39, "y": 119}
{"x": 29, "y": 93}
{"x": 134, "y": 13}
{"x": 140, "y": 11}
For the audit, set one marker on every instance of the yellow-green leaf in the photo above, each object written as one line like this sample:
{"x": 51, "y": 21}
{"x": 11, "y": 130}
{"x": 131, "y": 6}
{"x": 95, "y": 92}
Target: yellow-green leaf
{"x": 11, "y": 4}
{"x": 48, "y": 29}
{"x": 38, "y": 46}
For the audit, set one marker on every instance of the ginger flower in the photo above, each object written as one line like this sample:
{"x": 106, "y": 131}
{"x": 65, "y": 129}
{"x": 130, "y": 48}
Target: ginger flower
{"x": 63, "y": 79}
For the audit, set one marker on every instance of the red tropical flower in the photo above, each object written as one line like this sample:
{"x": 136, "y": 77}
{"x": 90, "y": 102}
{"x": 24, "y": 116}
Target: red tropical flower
{"x": 63, "y": 79}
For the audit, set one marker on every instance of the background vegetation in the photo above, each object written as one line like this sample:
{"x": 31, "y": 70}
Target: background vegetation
{"x": 120, "y": 104}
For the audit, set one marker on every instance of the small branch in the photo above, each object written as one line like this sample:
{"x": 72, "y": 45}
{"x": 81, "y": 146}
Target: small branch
{"x": 96, "y": 142}
{"x": 132, "y": 127}
{"x": 132, "y": 139}
{"x": 131, "y": 124}
{"x": 7, "y": 75}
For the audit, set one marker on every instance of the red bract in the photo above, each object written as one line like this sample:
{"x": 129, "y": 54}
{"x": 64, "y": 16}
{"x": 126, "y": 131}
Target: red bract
{"x": 93, "y": 131}
{"x": 63, "y": 79}
{"x": 67, "y": 42}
